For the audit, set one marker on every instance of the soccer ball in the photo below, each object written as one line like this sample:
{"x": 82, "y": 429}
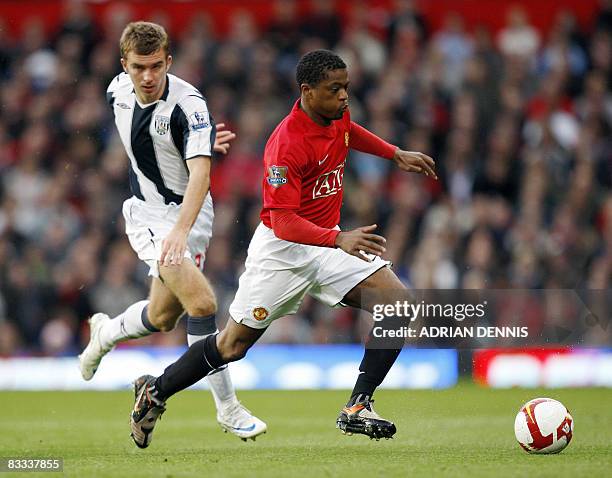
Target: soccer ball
{"x": 543, "y": 425}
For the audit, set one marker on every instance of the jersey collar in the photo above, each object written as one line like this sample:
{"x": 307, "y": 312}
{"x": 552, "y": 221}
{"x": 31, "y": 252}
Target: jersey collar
{"x": 164, "y": 95}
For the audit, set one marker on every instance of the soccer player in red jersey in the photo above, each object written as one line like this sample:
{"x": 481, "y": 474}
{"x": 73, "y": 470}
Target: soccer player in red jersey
{"x": 299, "y": 249}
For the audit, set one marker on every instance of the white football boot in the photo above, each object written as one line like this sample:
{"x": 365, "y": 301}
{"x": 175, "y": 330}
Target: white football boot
{"x": 241, "y": 422}
{"x": 93, "y": 353}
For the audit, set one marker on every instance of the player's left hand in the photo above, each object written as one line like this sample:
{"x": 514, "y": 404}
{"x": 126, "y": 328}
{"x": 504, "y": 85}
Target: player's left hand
{"x": 415, "y": 162}
{"x": 223, "y": 139}
{"x": 173, "y": 248}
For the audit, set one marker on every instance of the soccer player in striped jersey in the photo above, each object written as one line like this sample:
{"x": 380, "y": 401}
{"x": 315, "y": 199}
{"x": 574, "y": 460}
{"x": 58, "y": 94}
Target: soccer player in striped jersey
{"x": 169, "y": 137}
{"x": 299, "y": 249}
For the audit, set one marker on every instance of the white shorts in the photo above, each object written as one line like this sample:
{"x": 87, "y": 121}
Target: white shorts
{"x": 147, "y": 225}
{"x": 280, "y": 273}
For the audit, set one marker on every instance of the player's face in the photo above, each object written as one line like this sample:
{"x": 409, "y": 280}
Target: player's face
{"x": 329, "y": 98}
{"x": 148, "y": 73}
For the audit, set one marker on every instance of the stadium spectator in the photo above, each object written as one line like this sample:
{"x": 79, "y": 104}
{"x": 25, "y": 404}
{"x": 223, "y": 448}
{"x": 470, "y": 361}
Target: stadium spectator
{"x": 521, "y": 130}
{"x": 519, "y": 38}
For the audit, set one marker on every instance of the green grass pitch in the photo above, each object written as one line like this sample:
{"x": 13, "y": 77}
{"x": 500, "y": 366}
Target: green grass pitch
{"x": 463, "y": 431}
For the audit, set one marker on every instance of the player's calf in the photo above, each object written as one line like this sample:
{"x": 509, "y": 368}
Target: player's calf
{"x": 205, "y": 306}
{"x": 235, "y": 340}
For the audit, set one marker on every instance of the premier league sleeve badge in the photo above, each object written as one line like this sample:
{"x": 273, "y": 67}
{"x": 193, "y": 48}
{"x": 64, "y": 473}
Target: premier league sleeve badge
{"x": 277, "y": 176}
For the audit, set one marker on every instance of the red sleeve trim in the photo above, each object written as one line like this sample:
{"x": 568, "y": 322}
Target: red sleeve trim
{"x": 363, "y": 140}
{"x": 288, "y": 226}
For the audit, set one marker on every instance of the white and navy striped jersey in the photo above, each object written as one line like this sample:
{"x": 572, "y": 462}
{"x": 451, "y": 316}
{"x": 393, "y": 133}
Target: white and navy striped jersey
{"x": 161, "y": 136}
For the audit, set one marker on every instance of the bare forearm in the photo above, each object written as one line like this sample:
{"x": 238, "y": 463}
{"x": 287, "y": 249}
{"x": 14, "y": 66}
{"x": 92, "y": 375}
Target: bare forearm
{"x": 197, "y": 188}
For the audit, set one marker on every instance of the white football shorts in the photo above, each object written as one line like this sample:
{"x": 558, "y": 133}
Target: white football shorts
{"x": 280, "y": 273}
{"x": 147, "y": 225}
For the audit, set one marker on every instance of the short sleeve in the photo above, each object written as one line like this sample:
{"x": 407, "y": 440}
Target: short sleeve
{"x": 192, "y": 127}
{"x": 112, "y": 88}
{"x": 282, "y": 186}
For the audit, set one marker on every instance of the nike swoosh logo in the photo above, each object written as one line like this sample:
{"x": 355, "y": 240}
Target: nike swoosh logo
{"x": 138, "y": 405}
{"x": 354, "y": 409}
{"x": 244, "y": 429}
{"x": 323, "y": 160}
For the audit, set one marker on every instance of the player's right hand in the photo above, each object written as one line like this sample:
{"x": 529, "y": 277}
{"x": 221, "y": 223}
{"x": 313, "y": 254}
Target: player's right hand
{"x": 173, "y": 247}
{"x": 360, "y": 241}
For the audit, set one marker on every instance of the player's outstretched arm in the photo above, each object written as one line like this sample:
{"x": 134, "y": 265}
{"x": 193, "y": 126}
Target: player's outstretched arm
{"x": 361, "y": 240}
{"x": 411, "y": 161}
{"x": 223, "y": 139}
{"x": 415, "y": 162}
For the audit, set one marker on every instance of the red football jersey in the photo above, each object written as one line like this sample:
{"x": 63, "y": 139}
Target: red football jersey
{"x": 304, "y": 168}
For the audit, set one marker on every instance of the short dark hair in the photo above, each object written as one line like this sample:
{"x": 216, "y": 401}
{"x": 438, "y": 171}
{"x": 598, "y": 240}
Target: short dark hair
{"x": 313, "y": 66}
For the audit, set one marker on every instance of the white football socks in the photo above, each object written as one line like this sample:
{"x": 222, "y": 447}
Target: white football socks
{"x": 127, "y": 325}
{"x": 219, "y": 381}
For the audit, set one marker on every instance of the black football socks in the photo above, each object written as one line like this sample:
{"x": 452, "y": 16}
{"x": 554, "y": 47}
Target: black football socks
{"x": 197, "y": 362}
{"x": 372, "y": 371}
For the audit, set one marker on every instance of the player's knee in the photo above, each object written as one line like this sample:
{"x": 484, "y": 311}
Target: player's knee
{"x": 233, "y": 351}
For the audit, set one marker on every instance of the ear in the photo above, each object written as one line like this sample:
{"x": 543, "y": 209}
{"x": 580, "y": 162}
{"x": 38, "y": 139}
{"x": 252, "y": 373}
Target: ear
{"x": 124, "y": 64}
{"x": 306, "y": 90}
{"x": 168, "y": 62}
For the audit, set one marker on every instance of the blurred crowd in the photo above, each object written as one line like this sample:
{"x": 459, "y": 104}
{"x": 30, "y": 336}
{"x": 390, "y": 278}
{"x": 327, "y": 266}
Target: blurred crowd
{"x": 518, "y": 120}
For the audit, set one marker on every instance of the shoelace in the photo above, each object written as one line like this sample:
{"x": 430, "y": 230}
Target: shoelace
{"x": 151, "y": 398}
{"x": 234, "y": 408}
{"x": 367, "y": 405}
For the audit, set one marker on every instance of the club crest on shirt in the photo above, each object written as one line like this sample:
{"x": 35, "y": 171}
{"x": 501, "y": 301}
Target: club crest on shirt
{"x": 162, "y": 124}
{"x": 260, "y": 313}
{"x": 277, "y": 176}
{"x": 199, "y": 120}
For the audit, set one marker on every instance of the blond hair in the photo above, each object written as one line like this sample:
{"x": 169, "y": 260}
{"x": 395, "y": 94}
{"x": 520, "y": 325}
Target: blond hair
{"x": 143, "y": 38}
